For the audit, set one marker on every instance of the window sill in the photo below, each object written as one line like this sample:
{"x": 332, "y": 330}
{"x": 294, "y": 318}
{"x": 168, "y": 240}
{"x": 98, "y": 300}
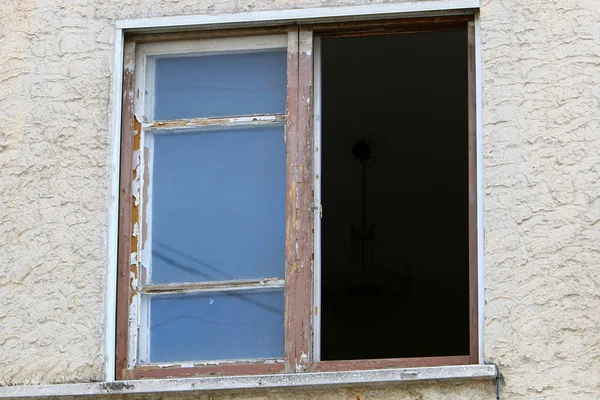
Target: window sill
{"x": 313, "y": 379}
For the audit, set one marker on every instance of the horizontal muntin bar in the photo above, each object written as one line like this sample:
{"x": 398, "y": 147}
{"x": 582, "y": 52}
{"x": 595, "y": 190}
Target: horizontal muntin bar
{"x": 195, "y": 123}
{"x": 238, "y": 285}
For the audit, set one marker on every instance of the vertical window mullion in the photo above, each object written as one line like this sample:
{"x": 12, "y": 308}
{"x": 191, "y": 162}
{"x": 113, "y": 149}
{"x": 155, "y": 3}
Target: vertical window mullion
{"x": 299, "y": 201}
{"x": 291, "y": 137}
{"x": 305, "y": 147}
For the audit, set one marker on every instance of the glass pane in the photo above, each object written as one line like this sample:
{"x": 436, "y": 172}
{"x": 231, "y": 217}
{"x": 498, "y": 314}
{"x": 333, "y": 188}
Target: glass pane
{"x": 220, "y": 85}
{"x": 216, "y": 326}
{"x": 218, "y": 205}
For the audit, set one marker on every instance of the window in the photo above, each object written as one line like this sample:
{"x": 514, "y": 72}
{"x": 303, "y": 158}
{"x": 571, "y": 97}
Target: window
{"x": 298, "y": 199}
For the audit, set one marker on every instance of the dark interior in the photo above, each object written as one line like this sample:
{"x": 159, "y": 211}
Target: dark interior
{"x": 395, "y": 108}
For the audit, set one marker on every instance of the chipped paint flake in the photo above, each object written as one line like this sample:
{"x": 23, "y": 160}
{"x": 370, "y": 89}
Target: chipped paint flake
{"x": 179, "y": 124}
{"x": 136, "y": 230}
{"x": 137, "y": 180}
{"x": 133, "y": 258}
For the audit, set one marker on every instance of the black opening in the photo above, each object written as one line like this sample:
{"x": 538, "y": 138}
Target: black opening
{"x": 395, "y": 278}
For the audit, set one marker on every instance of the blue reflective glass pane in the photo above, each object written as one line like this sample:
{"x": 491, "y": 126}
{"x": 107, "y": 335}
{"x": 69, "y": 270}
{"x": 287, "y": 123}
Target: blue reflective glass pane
{"x": 218, "y": 205}
{"x": 216, "y": 326}
{"x": 220, "y": 85}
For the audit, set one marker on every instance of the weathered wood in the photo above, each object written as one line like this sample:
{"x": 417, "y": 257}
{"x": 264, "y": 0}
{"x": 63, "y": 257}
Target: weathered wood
{"x": 304, "y": 233}
{"x": 299, "y": 207}
{"x": 125, "y": 211}
{"x": 298, "y": 293}
{"x": 207, "y": 32}
{"x": 350, "y": 365}
{"x": 177, "y": 371}
{"x": 249, "y": 284}
{"x": 472, "y": 144}
{"x": 390, "y": 26}
{"x": 291, "y": 200}
{"x": 246, "y": 120}
{"x": 134, "y": 230}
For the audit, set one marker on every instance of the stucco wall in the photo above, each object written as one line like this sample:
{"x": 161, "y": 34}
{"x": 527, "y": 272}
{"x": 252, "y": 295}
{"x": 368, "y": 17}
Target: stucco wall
{"x": 541, "y": 77}
{"x": 412, "y": 391}
{"x": 541, "y": 115}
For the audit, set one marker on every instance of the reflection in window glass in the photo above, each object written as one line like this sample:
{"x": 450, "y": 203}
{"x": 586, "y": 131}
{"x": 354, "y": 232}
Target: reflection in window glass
{"x": 216, "y": 326}
{"x": 218, "y": 205}
{"x": 220, "y": 85}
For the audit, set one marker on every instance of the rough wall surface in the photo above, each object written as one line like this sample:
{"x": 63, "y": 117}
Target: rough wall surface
{"x": 541, "y": 116}
{"x": 409, "y": 391}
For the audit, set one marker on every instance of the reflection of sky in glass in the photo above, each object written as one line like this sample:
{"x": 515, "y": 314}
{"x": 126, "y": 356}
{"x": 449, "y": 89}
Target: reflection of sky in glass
{"x": 220, "y": 85}
{"x": 218, "y": 205}
{"x": 216, "y": 326}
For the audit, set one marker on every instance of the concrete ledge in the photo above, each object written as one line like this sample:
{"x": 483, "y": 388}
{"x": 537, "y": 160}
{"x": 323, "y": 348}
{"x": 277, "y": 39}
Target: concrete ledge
{"x": 312, "y": 379}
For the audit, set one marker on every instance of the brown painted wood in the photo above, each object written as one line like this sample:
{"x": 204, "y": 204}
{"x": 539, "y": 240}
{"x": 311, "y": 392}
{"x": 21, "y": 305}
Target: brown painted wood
{"x": 154, "y": 372}
{"x": 304, "y": 207}
{"x": 291, "y": 223}
{"x": 299, "y": 211}
{"x": 125, "y": 207}
{"x": 391, "y": 26}
{"x": 472, "y": 143}
{"x": 355, "y": 365}
{"x": 206, "y": 33}
{"x": 298, "y": 289}
{"x": 129, "y": 214}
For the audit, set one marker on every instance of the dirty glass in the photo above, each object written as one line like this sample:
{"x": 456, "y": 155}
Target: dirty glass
{"x": 219, "y": 85}
{"x": 218, "y": 205}
{"x": 216, "y": 326}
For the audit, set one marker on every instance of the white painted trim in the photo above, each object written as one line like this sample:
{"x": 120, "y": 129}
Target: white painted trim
{"x": 480, "y": 189}
{"x": 149, "y": 85}
{"x": 306, "y": 380}
{"x": 299, "y": 15}
{"x": 140, "y": 109}
{"x": 145, "y": 243}
{"x": 318, "y": 206}
{"x": 110, "y": 288}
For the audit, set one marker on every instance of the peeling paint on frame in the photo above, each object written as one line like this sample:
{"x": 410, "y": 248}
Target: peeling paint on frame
{"x": 140, "y": 289}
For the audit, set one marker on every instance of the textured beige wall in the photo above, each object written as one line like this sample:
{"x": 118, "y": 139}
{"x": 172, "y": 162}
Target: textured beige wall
{"x": 408, "y": 391}
{"x": 541, "y": 114}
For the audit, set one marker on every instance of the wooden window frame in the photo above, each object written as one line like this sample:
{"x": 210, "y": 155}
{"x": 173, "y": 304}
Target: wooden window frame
{"x": 301, "y": 203}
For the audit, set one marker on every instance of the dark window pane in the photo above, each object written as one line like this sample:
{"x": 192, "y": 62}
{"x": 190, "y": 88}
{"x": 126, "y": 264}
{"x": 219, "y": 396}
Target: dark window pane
{"x": 218, "y": 205}
{"x": 395, "y": 235}
{"x": 220, "y": 85}
{"x": 216, "y": 326}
